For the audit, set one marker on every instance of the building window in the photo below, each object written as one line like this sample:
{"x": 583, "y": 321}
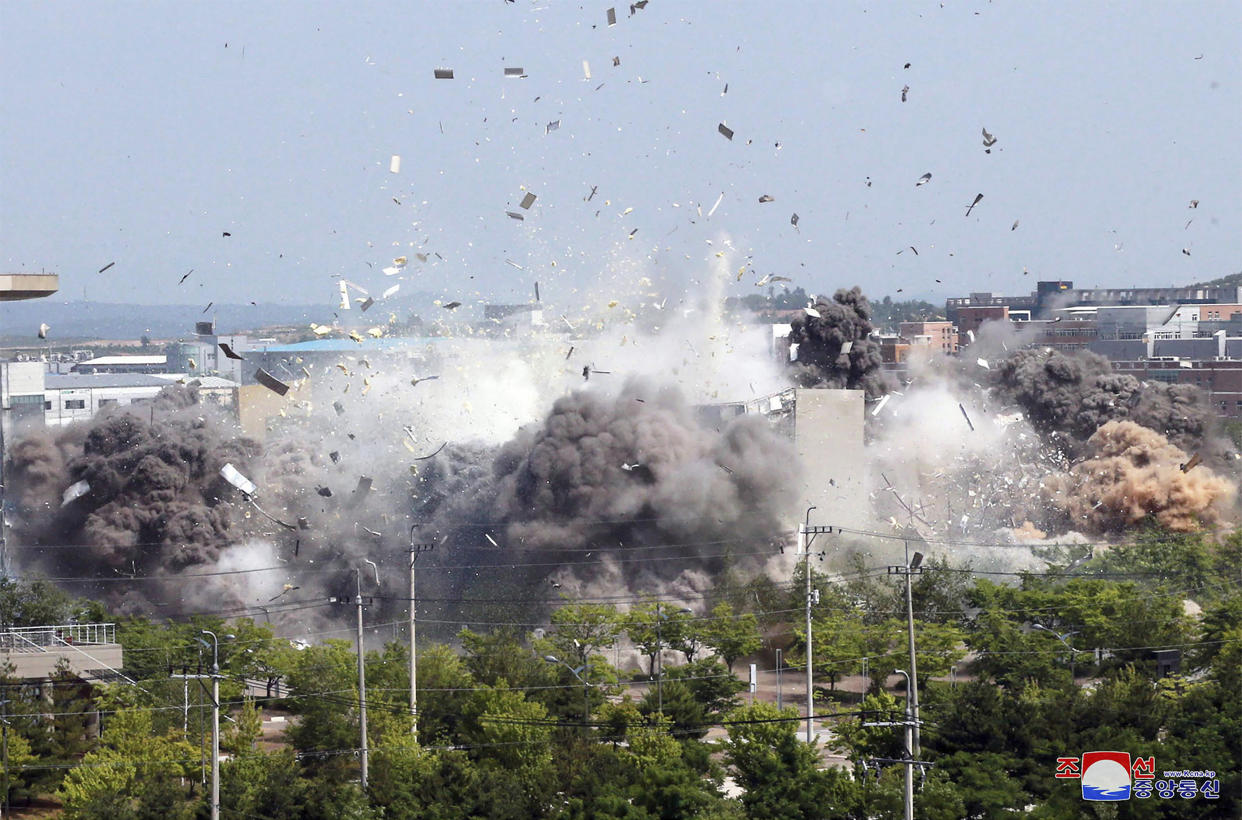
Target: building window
{"x": 47, "y": 405}
{"x": 106, "y": 402}
{"x": 75, "y": 404}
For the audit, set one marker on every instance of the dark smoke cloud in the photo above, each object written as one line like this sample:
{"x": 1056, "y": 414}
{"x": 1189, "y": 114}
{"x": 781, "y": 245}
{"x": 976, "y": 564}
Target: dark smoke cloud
{"x": 821, "y": 361}
{"x": 602, "y": 473}
{"x": 1068, "y": 397}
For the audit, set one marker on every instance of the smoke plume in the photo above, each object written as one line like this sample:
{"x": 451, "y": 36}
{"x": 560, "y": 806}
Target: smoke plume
{"x": 1131, "y": 473}
{"x": 835, "y": 348}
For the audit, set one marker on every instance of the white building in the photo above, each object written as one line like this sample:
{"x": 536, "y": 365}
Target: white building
{"x": 74, "y": 397}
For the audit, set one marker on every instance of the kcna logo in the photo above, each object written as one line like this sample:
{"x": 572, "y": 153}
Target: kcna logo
{"x": 1106, "y": 776}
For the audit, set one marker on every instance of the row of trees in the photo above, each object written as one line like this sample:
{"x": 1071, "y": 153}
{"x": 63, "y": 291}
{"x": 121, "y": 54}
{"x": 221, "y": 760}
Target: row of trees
{"x": 504, "y": 732}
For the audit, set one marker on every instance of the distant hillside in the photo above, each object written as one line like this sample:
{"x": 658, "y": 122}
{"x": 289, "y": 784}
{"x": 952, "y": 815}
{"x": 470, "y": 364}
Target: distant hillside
{"x": 19, "y": 321}
{"x": 1232, "y": 280}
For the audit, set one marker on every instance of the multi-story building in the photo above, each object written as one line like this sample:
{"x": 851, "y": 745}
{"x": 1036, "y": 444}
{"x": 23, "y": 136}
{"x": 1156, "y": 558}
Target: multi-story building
{"x": 938, "y": 336}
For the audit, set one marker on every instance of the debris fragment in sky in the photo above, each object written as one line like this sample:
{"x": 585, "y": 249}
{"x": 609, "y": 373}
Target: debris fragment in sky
{"x": 616, "y": 61}
{"x": 527, "y": 201}
{"x": 414, "y": 381}
{"x": 793, "y": 220}
{"x": 725, "y": 130}
{"x": 44, "y": 327}
{"x": 1014, "y": 227}
{"x": 229, "y": 352}
{"x": 515, "y": 72}
{"x": 515, "y": 215}
{"x": 880, "y": 404}
{"x": 968, "y": 421}
{"x": 335, "y": 455}
{"x": 187, "y": 276}
{"x": 612, "y": 17}
{"x": 766, "y": 198}
{"x": 846, "y": 347}
{"x": 105, "y": 267}
{"x": 326, "y": 492}
{"x": 444, "y": 73}
{"x": 232, "y": 476}
{"x": 344, "y": 296}
{"x": 366, "y": 304}
{"x": 390, "y": 291}
{"x": 339, "y": 408}
{"x": 433, "y": 454}
{"x": 812, "y": 312}
{"x": 1195, "y": 461}
{"x": 983, "y": 363}
{"x": 487, "y": 535}
{"x": 719, "y": 199}
{"x": 905, "y": 90}
{"x": 1186, "y": 251}
{"x": 75, "y": 491}
{"x": 923, "y": 180}
{"x": 452, "y": 305}
{"x": 552, "y": 126}
{"x": 363, "y": 487}
{"x": 394, "y": 165}
{"x": 271, "y": 382}
{"x": 972, "y": 205}
{"x": 771, "y": 277}
{"x": 1194, "y": 203}
{"x": 537, "y": 292}
{"x": 586, "y": 70}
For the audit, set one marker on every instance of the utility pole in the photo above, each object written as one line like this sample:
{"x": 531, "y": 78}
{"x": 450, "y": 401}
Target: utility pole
{"x": 907, "y": 759}
{"x": 415, "y": 549}
{"x": 780, "y": 701}
{"x": 362, "y": 680}
{"x": 913, "y": 566}
{"x": 808, "y": 536}
{"x": 215, "y": 724}
{"x": 659, "y": 661}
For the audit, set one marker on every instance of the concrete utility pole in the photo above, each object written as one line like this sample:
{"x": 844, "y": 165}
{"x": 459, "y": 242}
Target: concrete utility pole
{"x": 215, "y": 724}
{"x": 913, "y": 566}
{"x": 415, "y": 549}
{"x": 362, "y": 681}
{"x": 909, "y": 795}
{"x": 808, "y": 536}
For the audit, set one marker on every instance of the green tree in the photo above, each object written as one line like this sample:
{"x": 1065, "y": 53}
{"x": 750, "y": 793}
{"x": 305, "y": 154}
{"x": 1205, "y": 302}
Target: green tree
{"x": 264, "y": 785}
{"x": 731, "y": 636}
{"x": 780, "y": 775}
{"x": 133, "y": 774}
{"x": 581, "y": 630}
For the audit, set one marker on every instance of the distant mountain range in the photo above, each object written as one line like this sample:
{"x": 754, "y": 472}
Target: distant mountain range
{"x": 19, "y": 321}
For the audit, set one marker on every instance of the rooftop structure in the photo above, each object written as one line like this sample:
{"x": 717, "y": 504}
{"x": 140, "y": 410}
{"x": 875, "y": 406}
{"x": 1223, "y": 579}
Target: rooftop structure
{"x": 17, "y": 286}
{"x": 89, "y": 651}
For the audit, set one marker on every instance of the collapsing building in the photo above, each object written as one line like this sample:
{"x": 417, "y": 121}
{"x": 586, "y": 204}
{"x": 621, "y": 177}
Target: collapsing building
{"x": 826, "y": 427}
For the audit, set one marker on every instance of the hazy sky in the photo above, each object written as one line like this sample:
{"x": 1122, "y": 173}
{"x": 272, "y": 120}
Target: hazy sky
{"x": 137, "y": 133}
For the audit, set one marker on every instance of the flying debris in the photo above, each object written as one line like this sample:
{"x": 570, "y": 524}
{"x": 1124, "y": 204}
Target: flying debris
{"x": 1186, "y": 251}
{"x": 394, "y": 165}
{"x": 515, "y": 215}
{"x": 229, "y": 352}
{"x": 433, "y": 454}
{"x": 812, "y": 312}
{"x": 326, "y": 492}
{"x": 880, "y": 404}
{"x": 1194, "y": 203}
{"x": 726, "y": 131}
{"x": 226, "y": 233}
{"x": 1195, "y": 461}
{"x": 187, "y": 276}
{"x": 552, "y": 126}
{"x": 444, "y": 73}
{"x": 793, "y": 220}
{"x": 105, "y": 267}
{"x": 44, "y": 327}
{"x": 1014, "y": 227}
{"x": 451, "y": 305}
{"x": 586, "y": 70}
{"x": 923, "y": 180}
{"x": 591, "y": 195}
{"x": 719, "y": 199}
{"x": 339, "y": 408}
{"x": 972, "y": 205}
{"x": 209, "y": 304}
{"x": 515, "y": 72}
{"x": 414, "y": 381}
{"x": 988, "y": 139}
{"x": 905, "y": 90}
{"x": 612, "y": 17}
{"x": 283, "y": 592}
{"x": 74, "y": 492}
{"x": 232, "y": 476}
{"x": 766, "y": 198}
{"x": 271, "y": 382}
{"x": 390, "y": 291}
{"x": 527, "y": 201}
{"x": 771, "y": 277}
{"x": 968, "y": 421}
